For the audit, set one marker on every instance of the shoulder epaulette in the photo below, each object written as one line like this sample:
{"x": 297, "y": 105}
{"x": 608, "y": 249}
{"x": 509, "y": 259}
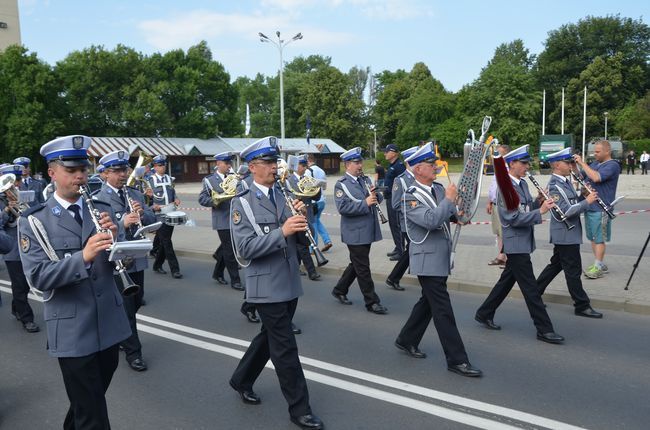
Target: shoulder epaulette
{"x": 96, "y": 200}
{"x": 411, "y": 189}
{"x": 243, "y": 193}
{"x": 33, "y": 209}
{"x": 343, "y": 178}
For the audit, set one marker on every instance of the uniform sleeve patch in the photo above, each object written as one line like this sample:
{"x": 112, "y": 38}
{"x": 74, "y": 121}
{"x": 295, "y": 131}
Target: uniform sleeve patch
{"x": 236, "y": 217}
{"x": 339, "y": 193}
{"x": 25, "y": 243}
{"x": 413, "y": 203}
{"x": 395, "y": 187}
{"x": 556, "y": 198}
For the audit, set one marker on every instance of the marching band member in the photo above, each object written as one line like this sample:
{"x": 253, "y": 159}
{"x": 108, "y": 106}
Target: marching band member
{"x": 264, "y": 232}
{"x": 115, "y": 192}
{"x": 566, "y": 242}
{"x": 303, "y": 243}
{"x": 221, "y": 221}
{"x": 28, "y": 183}
{"x": 20, "y": 307}
{"x": 518, "y": 225}
{"x": 429, "y": 207}
{"x": 400, "y": 185}
{"x": 164, "y": 194}
{"x": 359, "y": 228}
{"x": 68, "y": 262}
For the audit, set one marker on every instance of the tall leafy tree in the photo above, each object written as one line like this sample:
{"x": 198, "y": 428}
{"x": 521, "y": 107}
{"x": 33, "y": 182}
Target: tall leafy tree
{"x": 29, "y": 105}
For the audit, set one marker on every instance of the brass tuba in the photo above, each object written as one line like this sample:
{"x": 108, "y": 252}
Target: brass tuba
{"x": 229, "y": 187}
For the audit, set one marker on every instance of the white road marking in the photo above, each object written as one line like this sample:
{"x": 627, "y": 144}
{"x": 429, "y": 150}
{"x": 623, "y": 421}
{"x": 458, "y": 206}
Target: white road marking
{"x": 440, "y": 411}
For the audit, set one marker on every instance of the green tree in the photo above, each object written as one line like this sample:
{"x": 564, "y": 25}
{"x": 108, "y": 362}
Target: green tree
{"x": 29, "y": 105}
{"x": 633, "y": 122}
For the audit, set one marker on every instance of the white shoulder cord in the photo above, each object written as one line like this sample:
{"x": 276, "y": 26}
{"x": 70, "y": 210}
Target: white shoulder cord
{"x": 249, "y": 214}
{"x": 406, "y": 224}
{"x": 41, "y": 236}
{"x": 347, "y": 193}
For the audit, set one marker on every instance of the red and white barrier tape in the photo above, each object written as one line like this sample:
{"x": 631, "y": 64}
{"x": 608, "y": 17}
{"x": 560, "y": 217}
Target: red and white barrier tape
{"x": 636, "y": 211}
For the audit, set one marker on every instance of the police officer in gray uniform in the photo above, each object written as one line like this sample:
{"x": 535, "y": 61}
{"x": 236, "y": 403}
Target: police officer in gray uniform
{"x": 429, "y": 208}
{"x": 65, "y": 258}
{"x": 117, "y": 194}
{"x": 28, "y": 183}
{"x": 164, "y": 194}
{"x": 566, "y": 242}
{"x": 359, "y": 228}
{"x": 303, "y": 242}
{"x": 400, "y": 185}
{"x": 264, "y": 232}
{"x": 518, "y": 243}
{"x": 9, "y": 248}
{"x": 221, "y": 221}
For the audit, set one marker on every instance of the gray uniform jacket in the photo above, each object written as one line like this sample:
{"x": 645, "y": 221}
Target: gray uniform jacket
{"x": 221, "y": 213}
{"x": 519, "y": 225}
{"x": 272, "y": 275}
{"x": 568, "y": 200}
{"x": 36, "y": 186}
{"x": 8, "y": 237}
{"x": 86, "y": 313}
{"x": 428, "y": 227}
{"x": 400, "y": 185}
{"x": 359, "y": 222}
{"x": 163, "y": 191}
{"x": 106, "y": 194}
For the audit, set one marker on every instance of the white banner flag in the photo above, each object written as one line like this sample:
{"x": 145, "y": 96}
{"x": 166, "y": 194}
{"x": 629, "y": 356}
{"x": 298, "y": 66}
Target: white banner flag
{"x": 248, "y": 121}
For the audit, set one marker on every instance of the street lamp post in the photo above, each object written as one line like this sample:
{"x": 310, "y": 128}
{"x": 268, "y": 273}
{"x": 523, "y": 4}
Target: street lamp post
{"x": 280, "y": 44}
{"x": 606, "y": 115}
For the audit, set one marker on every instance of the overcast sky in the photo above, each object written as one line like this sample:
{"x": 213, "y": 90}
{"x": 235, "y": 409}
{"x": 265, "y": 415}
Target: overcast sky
{"x": 454, "y": 38}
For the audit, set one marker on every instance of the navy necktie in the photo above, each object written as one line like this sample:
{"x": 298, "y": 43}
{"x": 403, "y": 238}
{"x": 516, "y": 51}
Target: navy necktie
{"x": 77, "y": 213}
{"x": 121, "y": 194}
{"x": 272, "y": 196}
{"x": 433, "y": 193}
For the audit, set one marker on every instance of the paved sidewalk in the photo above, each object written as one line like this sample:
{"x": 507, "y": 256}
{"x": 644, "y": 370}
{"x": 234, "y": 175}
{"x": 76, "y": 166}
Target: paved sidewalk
{"x": 472, "y": 272}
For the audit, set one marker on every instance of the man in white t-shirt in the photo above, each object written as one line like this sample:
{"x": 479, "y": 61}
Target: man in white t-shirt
{"x": 319, "y": 227}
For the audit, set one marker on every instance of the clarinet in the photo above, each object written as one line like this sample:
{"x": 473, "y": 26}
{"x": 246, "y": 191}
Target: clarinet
{"x": 320, "y": 258}
{"x": 129, "y": 201}
{"x": 130, "y": 287}
{"x": 382, "y": 218}
{"x": 600, "y": 201}
{"x": 556, "y": 212}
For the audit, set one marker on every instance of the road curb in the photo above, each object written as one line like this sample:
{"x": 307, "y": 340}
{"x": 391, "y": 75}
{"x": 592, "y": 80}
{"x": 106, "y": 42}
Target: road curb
{"x": 598, "y": 302}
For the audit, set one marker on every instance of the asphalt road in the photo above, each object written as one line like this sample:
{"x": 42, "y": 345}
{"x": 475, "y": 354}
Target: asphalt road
{"x": 192, "y": 335}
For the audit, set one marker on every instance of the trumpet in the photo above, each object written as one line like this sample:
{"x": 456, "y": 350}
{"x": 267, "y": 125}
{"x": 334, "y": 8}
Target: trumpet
{"x": 11, "y": 194}
{"x": 229, "y": 187}
{"x": 130, "y": 287}
{"x": 281, "y": 181}
{"x": 606, "y": 209}
{"x": 382, "y": 218}
{"x": 556, "y": 212}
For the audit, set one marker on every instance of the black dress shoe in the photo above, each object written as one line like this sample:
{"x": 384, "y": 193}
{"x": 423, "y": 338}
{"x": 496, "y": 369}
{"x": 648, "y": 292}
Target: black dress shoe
{"x": 143, "y": 302}
{"x": 138, "y": 365}
{"x": 247, "y": 396}
{"x": 341, "y": 298}
{"x": 251, "y": 316}
{"x": 487, "y": 323}
{"x": 465, "y": 369}
{"x": 394, "y": 285}
{"x": 411, "y": 350}
{"x": 314, "y": 276}
{"x": 308, "y": 421}
{"x": 393, "y": 252}
{"x": 237, "y": 286}
{"x": 377, "y": 309}
{"x": 177, "y": 275}
{"x": 221, "y": 280}
{"x": 550, "y": 337}
{"x": 395, "y": 257}
{"x": 215, "y": 256}
{"x": 294, "y": 329}
{"x": 160, "y": 270}
{"x": 31, "y": 327}
{"x": 589, "y": 313}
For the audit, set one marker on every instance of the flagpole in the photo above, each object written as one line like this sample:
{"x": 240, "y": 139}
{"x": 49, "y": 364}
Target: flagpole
{"x": 584, "y": 124}
{"x": 543, "y": 112}
{"x": 562, "y": 110}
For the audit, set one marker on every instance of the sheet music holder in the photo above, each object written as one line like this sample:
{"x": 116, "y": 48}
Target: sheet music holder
{"x": 134, "y": 249}
{"x": 148, "y": 229}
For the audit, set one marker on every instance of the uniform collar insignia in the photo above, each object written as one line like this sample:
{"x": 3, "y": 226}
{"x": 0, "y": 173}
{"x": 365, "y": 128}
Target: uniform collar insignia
{"x": 258, "y": 195}
{"x": 109, "y": 191}
{"x": 56, "y": 210}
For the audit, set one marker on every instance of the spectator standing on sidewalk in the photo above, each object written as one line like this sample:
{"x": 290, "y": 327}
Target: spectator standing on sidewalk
{"x": 319, "y": 228}
{"x": 631, "y": 162}
{"x": 380, "y": 173}
{"x": 645, "y": 158}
